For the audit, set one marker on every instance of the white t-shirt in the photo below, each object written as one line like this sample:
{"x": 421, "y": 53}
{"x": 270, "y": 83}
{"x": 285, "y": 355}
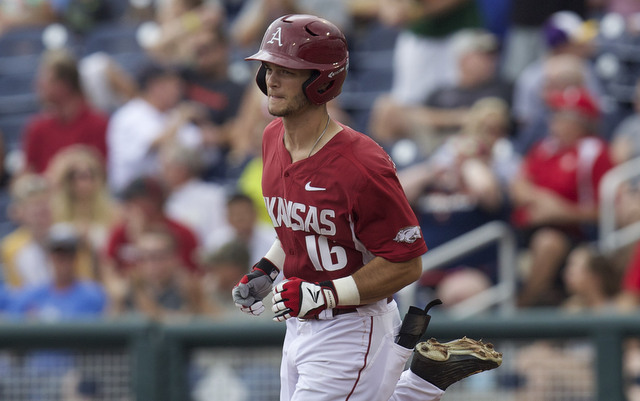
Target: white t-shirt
{"x": 132, "y": 129}
{"x": 201, "y": 206}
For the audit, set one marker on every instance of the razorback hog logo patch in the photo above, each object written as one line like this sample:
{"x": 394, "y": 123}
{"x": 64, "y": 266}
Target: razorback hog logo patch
{"x": 408, "y": 235}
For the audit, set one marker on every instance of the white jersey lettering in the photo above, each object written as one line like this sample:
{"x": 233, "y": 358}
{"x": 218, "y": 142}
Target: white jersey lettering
{"x": 300, "y": 217}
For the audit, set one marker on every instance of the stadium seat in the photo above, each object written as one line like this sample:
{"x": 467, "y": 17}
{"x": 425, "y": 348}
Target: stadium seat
{"x": 25, "y": 103}
{"x": 12, "y": 127}
{"x": 21, "y": 41}
{"x": 113, "y": 38}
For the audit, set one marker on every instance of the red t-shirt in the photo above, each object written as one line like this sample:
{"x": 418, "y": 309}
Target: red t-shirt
{"x": 338, "y": 209}
{"x": 120, "y": 247}
{"x": 45, "y": 135}
{"x": 573, "y": 173}
{"x": 631, "y": 280}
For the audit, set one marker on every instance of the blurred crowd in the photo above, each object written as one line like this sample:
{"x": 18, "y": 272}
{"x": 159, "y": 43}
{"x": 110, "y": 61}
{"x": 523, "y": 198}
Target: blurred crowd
{"x": 131, "y": 148}
{"x": 134, "y": 179}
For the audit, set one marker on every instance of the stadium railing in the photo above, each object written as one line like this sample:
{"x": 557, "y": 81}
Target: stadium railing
{"x": 207, "y": 360}
{"x": 501, "y": 294}
{"x": 610, "y": 236}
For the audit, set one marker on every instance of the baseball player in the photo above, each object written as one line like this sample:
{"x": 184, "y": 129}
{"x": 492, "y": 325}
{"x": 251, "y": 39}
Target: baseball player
{"x": 347, "y": 240}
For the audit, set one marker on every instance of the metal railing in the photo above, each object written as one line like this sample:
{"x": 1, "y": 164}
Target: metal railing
{"x": 502, "y": 294}
{"x": 161, "y": 355}
{"x": 610, "y": 237}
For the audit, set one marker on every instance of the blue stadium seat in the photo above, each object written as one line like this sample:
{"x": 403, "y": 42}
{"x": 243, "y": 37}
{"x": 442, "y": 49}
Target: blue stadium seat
{"x": 113, "y": 38}
{"x": 21, "y": 42}
{"x": 16, "y": 84}
{"x": 12, "y": 127}
{"x": 25, "y": 103}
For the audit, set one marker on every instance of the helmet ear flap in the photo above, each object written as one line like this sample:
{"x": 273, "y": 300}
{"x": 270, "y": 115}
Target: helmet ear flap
{"x": 308, "y": 92}
{"x": 261, "y": 79}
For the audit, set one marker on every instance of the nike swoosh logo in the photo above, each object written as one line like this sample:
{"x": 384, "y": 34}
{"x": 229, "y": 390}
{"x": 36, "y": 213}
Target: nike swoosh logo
{"x": 308, "y": 187}
{"x": 314, "y": 296}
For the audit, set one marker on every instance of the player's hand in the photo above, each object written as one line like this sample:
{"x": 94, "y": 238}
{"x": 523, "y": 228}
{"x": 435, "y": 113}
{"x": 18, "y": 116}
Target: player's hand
{"x": 253, "y": 287}
{"x": 298, "y": 298}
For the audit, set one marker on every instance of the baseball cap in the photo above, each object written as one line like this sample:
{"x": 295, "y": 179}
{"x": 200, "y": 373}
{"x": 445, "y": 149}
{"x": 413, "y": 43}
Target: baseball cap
{"x": 62, "y": 237}
{"x": 568, "y": 27}
{"x": 576, "y": 100}
{"x": 474, "y": 40}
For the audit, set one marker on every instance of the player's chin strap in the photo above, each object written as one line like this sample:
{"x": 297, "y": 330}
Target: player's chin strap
{"x": 414, "y": 325}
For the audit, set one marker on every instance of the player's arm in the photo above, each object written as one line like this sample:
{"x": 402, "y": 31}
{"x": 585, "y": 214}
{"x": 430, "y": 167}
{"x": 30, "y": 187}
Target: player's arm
{"x": 378, "y": 279}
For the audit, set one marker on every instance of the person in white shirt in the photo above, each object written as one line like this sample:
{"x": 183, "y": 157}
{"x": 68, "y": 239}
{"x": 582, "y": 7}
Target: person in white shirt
{"x": 200, "y": 205}
{"x": 138, "y": 129}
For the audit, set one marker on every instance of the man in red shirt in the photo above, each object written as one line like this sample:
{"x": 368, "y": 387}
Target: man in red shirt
{"x": 143, "y": 205}
{"x": 555, "y": 195}
{"x": 347, "y": 237}
{"x": 66, "y": 118}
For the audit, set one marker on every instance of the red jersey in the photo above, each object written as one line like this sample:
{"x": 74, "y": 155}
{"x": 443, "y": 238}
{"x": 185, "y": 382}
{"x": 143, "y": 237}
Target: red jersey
{"x": 338, "y": 209}
{"x": 121, "y": 249}
{"x": 45, "y": 135}
{"x": 574, "y": 173}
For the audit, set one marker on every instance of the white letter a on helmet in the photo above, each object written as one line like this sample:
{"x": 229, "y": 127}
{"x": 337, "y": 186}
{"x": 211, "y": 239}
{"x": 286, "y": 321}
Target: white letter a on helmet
{"x": 276, "y": 36}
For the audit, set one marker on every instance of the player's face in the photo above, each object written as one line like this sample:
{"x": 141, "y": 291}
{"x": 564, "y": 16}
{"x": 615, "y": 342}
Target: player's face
{"x": 284, "y": 88}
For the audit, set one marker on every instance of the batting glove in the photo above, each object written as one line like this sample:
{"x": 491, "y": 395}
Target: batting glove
{"x": 253, "y": 287}
{"x": 298, "y": 298}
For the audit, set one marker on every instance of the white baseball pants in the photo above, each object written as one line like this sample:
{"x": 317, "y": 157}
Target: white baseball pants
{"x": 350, "y": 357}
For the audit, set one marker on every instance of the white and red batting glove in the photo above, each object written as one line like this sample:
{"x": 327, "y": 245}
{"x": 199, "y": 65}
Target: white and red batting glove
{"x": 254, "y": 286}
{"x": 298, "y": 298}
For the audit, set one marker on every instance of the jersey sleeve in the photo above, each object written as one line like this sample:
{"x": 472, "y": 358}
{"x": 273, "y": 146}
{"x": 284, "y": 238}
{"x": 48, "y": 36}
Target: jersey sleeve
{"x": 384, "y": 221}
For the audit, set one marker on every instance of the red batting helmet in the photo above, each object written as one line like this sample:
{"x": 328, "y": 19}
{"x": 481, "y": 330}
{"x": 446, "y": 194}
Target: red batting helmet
{"x": 306, "y": 42}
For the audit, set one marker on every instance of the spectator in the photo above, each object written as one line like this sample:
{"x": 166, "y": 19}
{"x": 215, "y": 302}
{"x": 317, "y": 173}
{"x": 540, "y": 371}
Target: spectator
{"x": 464, "y": 184}
{"x": 255, "y": 16}
{"x": 630, "y": 291}
{"x": 138, "y": 129}
{"x": 525, "y": 40}
{"x": 555, "y": 195}
{"x": 67, "y": 296}
{"x": 447, "y": 107}
{"x": 24, "y": 257}
{"x": 80, "y": 195}
{"x": 625, "y": 144}
{"x": 208, "y": 83}
{"x": 17, "y": 13}
{"x": 550, "y": 367}
{"x": 423, "y": 59}
{"x": 569, "y": 46}
{"x": 245, "y": 226}
{"x": 592, "y": 281}
{"x": 178, "y": 21}
{"x": 159, "y": 287}
{"x": 560, "y": 72}
{"x": 143, "y": 203}
{"x": 461, "y": 285}
{"x": 197, "y": 204}
{"x": 66, "y": 119}
{"x": 222, "y": 269}
{"x": 106, "y": 83}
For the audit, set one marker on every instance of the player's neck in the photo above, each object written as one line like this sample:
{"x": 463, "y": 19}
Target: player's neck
{"x": 306, "y": 134}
